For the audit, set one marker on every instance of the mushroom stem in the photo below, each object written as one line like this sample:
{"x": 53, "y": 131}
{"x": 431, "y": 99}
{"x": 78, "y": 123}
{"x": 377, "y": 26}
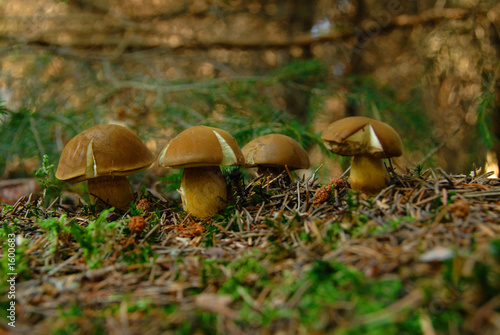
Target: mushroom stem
{"x": 113, "y": 191}
{"x": 203, "y": 191}
{"x": 368, "y": 174}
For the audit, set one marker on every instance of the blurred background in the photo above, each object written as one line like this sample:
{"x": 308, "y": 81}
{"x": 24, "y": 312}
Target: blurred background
{"x": 428, "y": 68}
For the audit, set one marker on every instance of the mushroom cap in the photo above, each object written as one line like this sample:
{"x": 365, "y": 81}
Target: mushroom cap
{"x": 103, "y": 150}
{"x": 201, "y": 146}
{"x": 358, "y": 135}
{"x": 275, "y": 150}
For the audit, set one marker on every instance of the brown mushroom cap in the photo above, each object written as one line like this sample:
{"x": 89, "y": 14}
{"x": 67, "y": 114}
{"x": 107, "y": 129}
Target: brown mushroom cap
{"x": 201, "y": 146}
{"x": 275, "y": 150}
{"x": 359, "y": 135}
{"x": 103, "y": 150}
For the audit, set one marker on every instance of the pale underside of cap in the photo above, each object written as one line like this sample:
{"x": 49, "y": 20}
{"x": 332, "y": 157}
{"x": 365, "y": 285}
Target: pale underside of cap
{"x": 362, "y": 136}
{"x": 363, "y": 141}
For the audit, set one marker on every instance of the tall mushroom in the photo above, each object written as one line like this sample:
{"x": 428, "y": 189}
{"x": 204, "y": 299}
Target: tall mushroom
{"x": 368, "y": 141}
{"x": 200, "y": 150}
{"x": 274, "y": 153}
{"x": 103, "y": 156}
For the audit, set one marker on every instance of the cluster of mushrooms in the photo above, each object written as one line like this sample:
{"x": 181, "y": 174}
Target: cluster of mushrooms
{"x": 105, "y": 155}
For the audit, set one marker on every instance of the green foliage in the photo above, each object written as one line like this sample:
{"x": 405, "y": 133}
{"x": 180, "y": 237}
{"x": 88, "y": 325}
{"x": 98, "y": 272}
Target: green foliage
{"x": 46, "y": 118}
{"x": 331, "y": 282}
{"x": 31, "y": 133}
{"x": 96, "y": 240}
{"x": 244, "y": 106}
{"x": 14, "y": 264}
{"x": 391, "y": 225}
{"x": 333, "y": 273}
{"x": 54, "y": 227}
{"x": 352, "y": 200}
{"x": 201, "y": 322}
{"x": 208, "y": 238}
{"x": 48, "y": 181}
{"x": 211, "y": 272}
{"x": 3, "y": 109}
{"x": 140, "y": 254}
{"x": 45, "y": 173}
{"x": 73, "y": 319}
{"x": 418, "y": 170}
{"x": 17, "y": 139}
{"x": 9, "y": 237}
{"x": 446, "y": 292}
{"x": 246, "y": 272}
{"x": 486, "y": 105}
{"x": 495, "y": 249}
{"x": 299, "y": 71}
{"x": 172, "y": 181}
{"x": 324, "y": 288}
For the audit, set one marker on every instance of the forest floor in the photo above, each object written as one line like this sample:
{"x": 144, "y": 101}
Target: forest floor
{"x": 288, "y": 257}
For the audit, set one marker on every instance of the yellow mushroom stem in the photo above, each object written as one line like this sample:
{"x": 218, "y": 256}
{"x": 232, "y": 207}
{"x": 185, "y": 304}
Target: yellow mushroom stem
{"x": 368, "y": 174}
{"x": 114, "y": 191}
{"x": 203, "y": 191}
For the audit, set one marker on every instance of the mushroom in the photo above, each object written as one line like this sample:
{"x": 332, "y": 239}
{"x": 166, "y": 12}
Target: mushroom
{"x": 200, "y": 150}
{"x": 103, "y": 156}
{"x": 368, "y": 141}
{"x": 273, "y": 153}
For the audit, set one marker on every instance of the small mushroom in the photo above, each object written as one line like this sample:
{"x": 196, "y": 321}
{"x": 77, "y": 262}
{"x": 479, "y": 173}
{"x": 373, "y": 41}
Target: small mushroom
{"x": 200, "y": 150}
{"x": 368, "y": 141}
{"x": 273, "y": 153}
{"x": 103, "y": 156}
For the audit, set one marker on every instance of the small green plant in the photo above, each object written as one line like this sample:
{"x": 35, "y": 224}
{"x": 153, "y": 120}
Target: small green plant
{"x": 209, "y": 237}
{"x": 139, "y": 254}
{"x": 246, "y": 272}
{"x": 97, "y": 240}
{"x": 89, "y": 209}
{"x": 13, "y": 259}
{"x": 352, "y": 199}
{"x": 47, "y": 179}
{"x": 330, "y": 282}
{"x": 73, "y": 317}
{"x": 391, "y": 225}
{"x": 211, "y": 272}
{"x": 4, "y": 209}
{"x": 54, "y": 227}
{"x": 45, "y": 172}
{"x": 418, "y": 170}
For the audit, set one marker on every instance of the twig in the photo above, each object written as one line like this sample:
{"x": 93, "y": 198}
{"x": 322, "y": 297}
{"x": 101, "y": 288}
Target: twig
{"x": 63, "y": 264}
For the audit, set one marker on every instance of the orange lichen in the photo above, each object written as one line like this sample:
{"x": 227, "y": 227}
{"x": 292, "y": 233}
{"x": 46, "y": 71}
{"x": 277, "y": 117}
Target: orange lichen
{"x": 189, "y": 228}
{"x": 144, "y": 205}
{"x": 137, "y": 224}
